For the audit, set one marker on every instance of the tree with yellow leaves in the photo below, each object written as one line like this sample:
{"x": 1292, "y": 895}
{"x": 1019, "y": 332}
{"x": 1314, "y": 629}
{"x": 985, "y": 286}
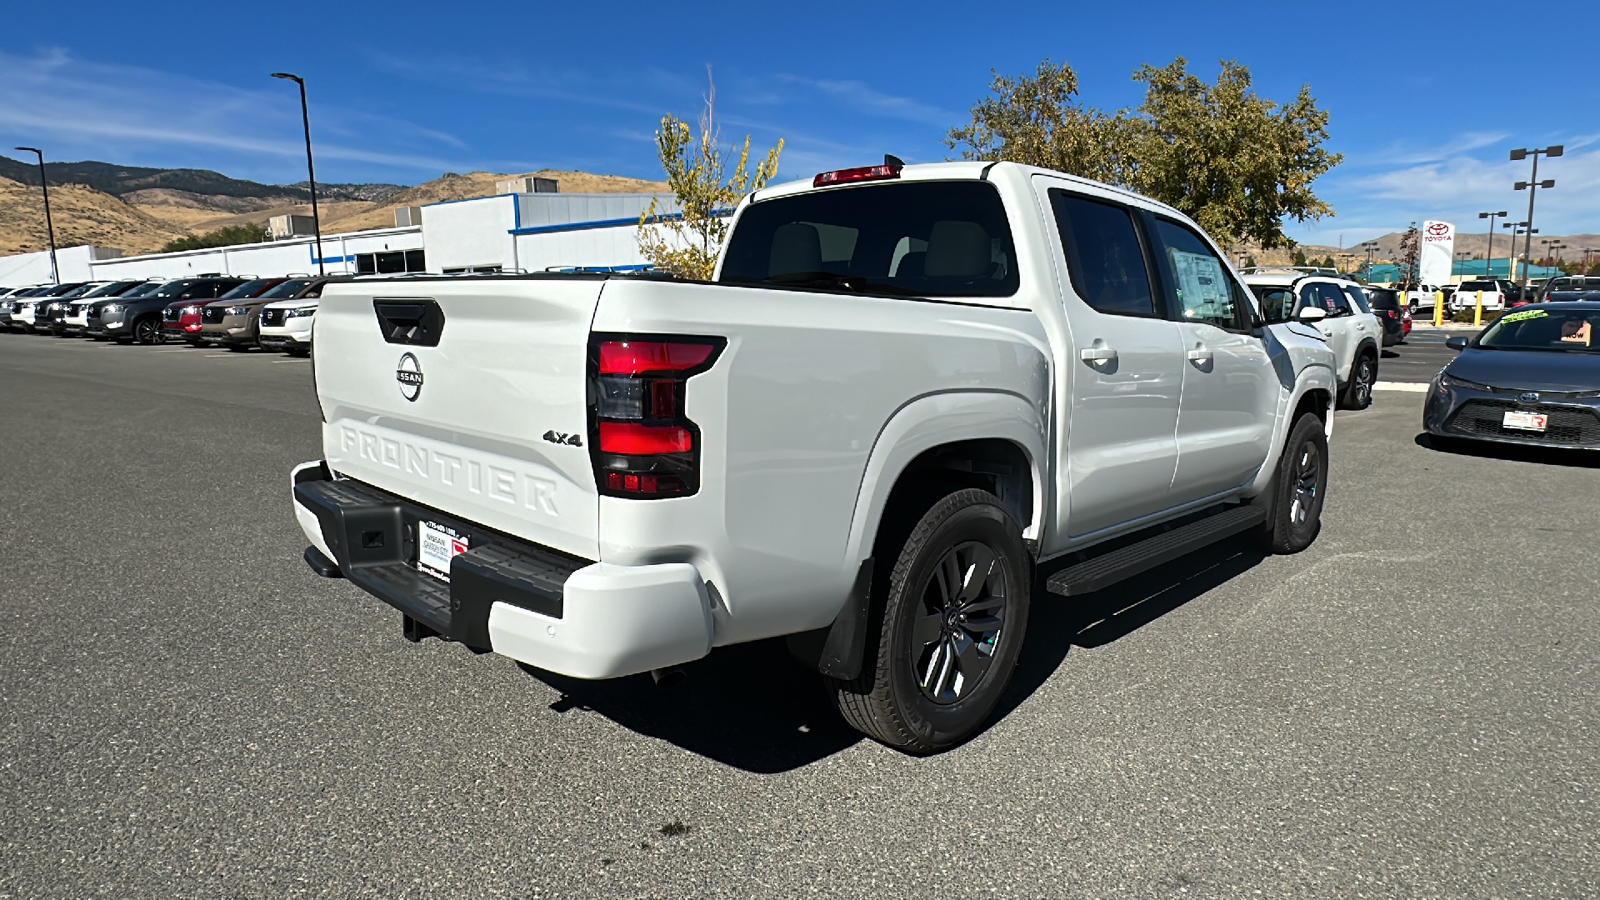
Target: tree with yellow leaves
{"x": 686, "y": 244}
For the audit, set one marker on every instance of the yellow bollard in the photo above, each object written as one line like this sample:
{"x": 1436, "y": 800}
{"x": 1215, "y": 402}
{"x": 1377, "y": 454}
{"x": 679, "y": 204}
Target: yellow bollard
{"x": 1438, "y": 308}
{"x": 1477, "y": 317}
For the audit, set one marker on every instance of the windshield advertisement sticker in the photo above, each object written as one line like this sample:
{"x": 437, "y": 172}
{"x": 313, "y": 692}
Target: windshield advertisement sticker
{"x": 1524, "y": 316}
{"x": 1202, "y": 287}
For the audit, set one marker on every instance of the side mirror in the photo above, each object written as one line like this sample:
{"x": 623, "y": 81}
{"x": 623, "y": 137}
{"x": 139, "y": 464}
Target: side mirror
{"x": 1457, "y": 343}
{"x": 1313, "y": 314}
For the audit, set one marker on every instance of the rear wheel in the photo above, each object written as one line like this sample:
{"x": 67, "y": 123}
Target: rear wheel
{"x": 1298, "y": 489}
{"x": 1363, "y": 375}
{"x": 949, "y": 627}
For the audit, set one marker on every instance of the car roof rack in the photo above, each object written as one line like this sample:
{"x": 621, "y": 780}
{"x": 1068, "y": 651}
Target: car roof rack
{"x": 1309, "y": 270}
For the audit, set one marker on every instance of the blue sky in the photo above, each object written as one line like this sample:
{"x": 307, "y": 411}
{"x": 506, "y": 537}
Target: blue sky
{"x": 404, "y": 91}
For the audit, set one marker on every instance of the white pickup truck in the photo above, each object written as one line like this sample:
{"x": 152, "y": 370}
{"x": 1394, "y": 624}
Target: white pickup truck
{"x": 909, "y": 396}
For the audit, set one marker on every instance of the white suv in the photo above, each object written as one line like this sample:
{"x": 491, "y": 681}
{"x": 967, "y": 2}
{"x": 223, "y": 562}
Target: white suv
{"x": 1353, "y": 333}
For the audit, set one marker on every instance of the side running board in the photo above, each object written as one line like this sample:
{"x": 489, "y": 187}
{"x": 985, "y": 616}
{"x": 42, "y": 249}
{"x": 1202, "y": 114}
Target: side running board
{"x": 1102, "y": 571}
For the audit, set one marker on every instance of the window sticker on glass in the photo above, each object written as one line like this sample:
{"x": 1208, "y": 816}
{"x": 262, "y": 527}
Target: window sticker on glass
{"x": 1202, "y": 286}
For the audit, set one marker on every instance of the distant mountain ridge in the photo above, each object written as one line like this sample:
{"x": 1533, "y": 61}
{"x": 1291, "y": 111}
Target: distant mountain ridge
{"x": 118, "y": 181}
{"x": 137, "y": 209}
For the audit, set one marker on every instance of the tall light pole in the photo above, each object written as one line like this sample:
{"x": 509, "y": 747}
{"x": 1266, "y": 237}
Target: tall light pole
{"x": 49, "y": 227}
{"x": 311, "y": 169}
{"x": 1511, "y": 257}
{"x": 1369, "y": 246}
{"x": 1488, "y": 265}
{"x": 1586, "y": 252}
{"x": 1533, "y": 184}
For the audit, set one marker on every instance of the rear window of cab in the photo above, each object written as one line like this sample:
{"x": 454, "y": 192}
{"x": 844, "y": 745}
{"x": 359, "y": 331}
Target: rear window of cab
{"x": 923, "y": 238}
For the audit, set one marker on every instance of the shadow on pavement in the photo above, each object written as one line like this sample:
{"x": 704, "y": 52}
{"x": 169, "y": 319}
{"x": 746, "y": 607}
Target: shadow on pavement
{"x": 750, "y": 706}
{"x": 1057, "y": 624}
{"x": 753, "y": 707}
{"x": 1548, "y": 456}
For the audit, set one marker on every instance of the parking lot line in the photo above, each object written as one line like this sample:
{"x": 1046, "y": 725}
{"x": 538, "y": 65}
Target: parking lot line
{"x": 1401, "y": 386}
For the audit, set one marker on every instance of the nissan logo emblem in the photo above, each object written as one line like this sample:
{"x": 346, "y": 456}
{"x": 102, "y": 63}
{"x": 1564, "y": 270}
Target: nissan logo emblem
{"x": 409, "y": 374}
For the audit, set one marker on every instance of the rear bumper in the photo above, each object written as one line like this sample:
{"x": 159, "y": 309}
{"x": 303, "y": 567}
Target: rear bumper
{"x": 517, "y": 598}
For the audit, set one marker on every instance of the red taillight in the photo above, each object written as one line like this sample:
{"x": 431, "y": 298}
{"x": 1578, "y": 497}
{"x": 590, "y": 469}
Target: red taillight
{"x": 644, "y": 440}
{"x": 863, "y": 173}
{"x": 642, "y": 357}
{"x": 642, "y": 443}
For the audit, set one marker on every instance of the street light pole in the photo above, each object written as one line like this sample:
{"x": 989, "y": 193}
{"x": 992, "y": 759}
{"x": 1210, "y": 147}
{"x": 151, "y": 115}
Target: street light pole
{"x": 1369, "y": 246}
{"x": 49, "y": 226}
{"x": 1488, "y": 266}
{"x": 311, "y": 169}
{"x": 1532, "y": 184}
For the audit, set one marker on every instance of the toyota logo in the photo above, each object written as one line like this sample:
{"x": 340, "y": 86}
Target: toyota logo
{"x": 1439, "y": 228}
{"x": 1529, "y": 397}
{"x": 409, "y": 374}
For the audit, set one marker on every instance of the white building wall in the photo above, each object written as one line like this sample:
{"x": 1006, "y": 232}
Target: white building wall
{"x": 74, "y": 264}
{"x": 471, "y": 233}
{"x": 270, "y": 259}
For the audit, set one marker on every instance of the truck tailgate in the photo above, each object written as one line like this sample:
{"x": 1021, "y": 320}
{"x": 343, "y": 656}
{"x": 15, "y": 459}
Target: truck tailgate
{"x": 466, "y": 395}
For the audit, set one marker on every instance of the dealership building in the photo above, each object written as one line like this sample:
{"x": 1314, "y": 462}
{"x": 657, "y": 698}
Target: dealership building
{"x": 517, "y": 231}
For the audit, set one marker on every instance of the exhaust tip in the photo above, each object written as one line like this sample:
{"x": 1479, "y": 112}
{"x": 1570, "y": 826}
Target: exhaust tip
{"x": 668, "y": 678}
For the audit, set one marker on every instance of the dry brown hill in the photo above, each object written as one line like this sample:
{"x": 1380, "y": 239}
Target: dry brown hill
{"x": 154, "y": 216}
{"x": 190, "y": 211}
{"x": 82, "y": 215}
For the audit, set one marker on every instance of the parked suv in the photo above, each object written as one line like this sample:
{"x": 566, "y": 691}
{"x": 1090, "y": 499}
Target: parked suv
{"x": 286, "y": 323}
{"x": 76, "y": 319}
{"x": 140, "y": 319}
{"x": 1392, "y": 314}
{"x": 1352, "y": 333}
{"x": 181, "y": 319}
{"x": 29, "y": 313}
{"x": 234, "y": 322}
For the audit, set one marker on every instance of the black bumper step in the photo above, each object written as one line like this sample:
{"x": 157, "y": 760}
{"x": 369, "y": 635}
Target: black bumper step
{"x": 1104, "y": 570}
{"x": 373, "y": 536}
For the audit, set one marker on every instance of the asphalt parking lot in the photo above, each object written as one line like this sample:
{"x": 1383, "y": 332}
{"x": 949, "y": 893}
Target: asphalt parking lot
{"x": 1408, "y": 708}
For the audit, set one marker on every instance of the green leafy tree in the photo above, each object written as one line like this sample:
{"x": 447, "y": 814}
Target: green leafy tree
{"x": 1233, "y": 161}
{"x": 1299, "y": 257}
{"x": 226, "y": 236}
{"x": 1249, "y": 262}
{"x": 697, "y": 173}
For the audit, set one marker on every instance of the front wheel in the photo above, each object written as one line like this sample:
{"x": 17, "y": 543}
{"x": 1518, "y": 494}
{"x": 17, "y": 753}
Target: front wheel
{"x": 949, "y": 628}
{"x": 147, "y": 331}
{"x": 1294, "y": 516}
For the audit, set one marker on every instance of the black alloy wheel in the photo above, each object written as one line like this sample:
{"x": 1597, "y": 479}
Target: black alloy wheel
{"x": 1299, "y": 488}
{"x": 948, "y": 623}
{"x": 954, "y": 638}
{"x": 1358, "y": 395}
{"x": 147, "y": 331}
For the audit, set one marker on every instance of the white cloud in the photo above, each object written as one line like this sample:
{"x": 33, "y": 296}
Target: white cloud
{"x": 864, "y": 98}
{"x": 1456, "y": 188}
{"x": 82, "y": 108}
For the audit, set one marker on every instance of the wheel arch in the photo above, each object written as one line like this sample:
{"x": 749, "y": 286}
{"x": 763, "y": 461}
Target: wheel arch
{"x": 986, "y": 439}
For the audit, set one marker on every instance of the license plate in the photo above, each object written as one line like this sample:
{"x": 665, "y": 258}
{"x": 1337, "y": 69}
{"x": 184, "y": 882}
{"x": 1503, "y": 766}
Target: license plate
{"x": 436, "y": 546}
{"x": 1525, "y": 421}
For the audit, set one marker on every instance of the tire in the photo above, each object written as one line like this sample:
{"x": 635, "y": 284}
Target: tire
{"x": 147, "y": 331}
{"x": 238, "y": 348}
{"x": 1363, "y": 375}
{"x": 914, "y": 692}
{"x": 1299, "y": 487}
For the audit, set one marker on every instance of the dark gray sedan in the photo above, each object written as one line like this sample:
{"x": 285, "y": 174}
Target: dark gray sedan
{"x": 1531, "y": 378}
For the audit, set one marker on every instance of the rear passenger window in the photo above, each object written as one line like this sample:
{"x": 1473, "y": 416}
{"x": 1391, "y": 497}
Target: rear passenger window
{"x": 1103, "y": 255}
{"x": 1334, "y": 300}
{"x": 1206, "y": 290}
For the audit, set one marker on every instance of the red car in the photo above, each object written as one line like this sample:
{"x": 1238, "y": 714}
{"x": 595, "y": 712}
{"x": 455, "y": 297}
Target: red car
{"x": 181, "y": 320}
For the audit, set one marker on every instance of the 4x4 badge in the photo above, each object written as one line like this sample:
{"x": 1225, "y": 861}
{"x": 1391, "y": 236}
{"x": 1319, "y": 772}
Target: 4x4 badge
{"x": 409, "y": 374}
{"x": 570, "y": 440}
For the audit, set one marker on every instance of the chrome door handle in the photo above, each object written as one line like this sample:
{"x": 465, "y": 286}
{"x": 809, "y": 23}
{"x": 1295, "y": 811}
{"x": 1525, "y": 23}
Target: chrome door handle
{"x": 1096, "y": 354}
{"x": 1199, "y": 355}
